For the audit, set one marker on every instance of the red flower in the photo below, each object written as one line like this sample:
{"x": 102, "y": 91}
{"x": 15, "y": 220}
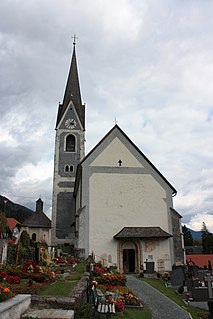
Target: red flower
{"x": 119, "y": 305}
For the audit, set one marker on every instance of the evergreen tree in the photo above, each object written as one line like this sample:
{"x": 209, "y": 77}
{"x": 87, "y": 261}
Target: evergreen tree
{"x": 207, "y": 240}
{"x": 188, "y": 239}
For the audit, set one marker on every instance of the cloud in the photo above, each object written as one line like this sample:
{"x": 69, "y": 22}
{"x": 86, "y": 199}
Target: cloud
{"x": 149, "y": 64}
{"x": 196, "y": 222}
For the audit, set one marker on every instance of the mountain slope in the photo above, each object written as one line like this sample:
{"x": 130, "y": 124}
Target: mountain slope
{"x": 19, "y": 212}
{"x": 197, "y": 235}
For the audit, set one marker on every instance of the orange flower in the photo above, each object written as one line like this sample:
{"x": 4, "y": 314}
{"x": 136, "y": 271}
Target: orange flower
{"x": 6, "y": 289}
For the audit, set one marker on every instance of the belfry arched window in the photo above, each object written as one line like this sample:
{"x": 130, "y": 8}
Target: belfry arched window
{"x": 70, "y": 143}
{"x": 68, "y": 168}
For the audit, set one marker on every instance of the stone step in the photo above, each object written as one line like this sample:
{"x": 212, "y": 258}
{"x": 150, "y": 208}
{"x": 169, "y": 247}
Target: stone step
{"x": 48, "y": 314}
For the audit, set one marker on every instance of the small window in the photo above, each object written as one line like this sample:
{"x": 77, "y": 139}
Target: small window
{"x": 68, "y": 168}
{"x": 34, "y": 237}
{"x": 70, "y": 143}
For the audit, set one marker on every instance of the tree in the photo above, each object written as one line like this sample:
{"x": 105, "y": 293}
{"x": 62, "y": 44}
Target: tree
{"x": 25, "y": 239}
{"x": 207, "y": 240}
{"x": 188, "y": 239}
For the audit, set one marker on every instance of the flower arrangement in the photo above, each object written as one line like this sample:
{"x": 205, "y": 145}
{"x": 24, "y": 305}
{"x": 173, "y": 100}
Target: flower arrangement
{"x": 31, "y": 266}
{"x": 129, "y": 298}
{"x": 112, "y": 279}
{"x": 13, "y": 279}
{"x": 166, "y": 276}
{"x": 115, "y": 298}
{"x": 119, "y": 305}
{"x": 122, "y": 293}
{"x": 5, "y": 277}
{"x": 5, "y": 293}
{"x": 99, "y": 271}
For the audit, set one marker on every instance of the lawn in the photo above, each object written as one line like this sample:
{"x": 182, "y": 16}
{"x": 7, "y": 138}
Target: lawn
{"x": 58, "y": 288}
{"x": 137, "y": 314}
{"x": 196, "y": 313}
{"x": 63, "y": 286}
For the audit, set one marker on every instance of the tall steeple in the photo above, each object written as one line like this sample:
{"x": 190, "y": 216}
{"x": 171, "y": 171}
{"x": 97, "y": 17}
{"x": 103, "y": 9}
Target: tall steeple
{"x": 69, "y": 151}
{"x": 72, "y": 91}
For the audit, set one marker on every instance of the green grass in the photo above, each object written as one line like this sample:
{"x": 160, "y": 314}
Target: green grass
{"x": 137, "y": 314}
{"x": 196, "y": 313}
{"x": 58, "y": 288}
{"x": 62, "y": 287}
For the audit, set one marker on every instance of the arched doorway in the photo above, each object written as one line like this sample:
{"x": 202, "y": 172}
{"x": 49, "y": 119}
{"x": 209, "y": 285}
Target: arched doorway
{"x": 129, "y": 256}
{"x": 129, "y": 260}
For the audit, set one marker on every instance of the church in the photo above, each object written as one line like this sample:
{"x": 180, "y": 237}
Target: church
{"x": 113, "y": 202}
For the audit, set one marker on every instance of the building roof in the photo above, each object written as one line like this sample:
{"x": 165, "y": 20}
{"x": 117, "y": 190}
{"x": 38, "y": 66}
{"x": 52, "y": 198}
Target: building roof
{"x": 72, "y": 92}
{"x": 12, "y": 223}
{"x": 117, "y": 130}
{"x": 142, "y": 232}
{"x": 38, "y": 220}
{"x": 175, "y": 212}
{"x": 200, "y": 260}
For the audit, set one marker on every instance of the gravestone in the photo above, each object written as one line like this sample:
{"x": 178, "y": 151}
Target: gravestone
{"x": 177, "y": 276}
{"x": 150, "y": 266}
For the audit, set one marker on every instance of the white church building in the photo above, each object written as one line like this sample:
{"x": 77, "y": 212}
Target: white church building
{"x": 113, "y": 202}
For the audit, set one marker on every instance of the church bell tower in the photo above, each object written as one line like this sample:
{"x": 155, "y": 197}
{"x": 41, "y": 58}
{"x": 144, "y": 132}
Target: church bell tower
{"x": 69, "y": 151}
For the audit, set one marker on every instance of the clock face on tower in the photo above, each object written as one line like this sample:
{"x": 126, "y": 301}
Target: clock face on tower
{"x": 70, "y": 123}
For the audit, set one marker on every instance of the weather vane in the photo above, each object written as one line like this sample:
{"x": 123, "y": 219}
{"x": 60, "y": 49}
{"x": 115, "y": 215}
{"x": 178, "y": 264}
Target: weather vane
{"x": 74, "y": 39}
{"x": 115, "y": 121}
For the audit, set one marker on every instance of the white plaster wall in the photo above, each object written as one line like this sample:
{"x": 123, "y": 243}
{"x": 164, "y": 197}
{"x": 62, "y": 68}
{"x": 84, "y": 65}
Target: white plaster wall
{"x": 158, "y": 249}
{"x": 81, "y": 230}
{"x": 120, "y": 200}
{"x": 113, "y": 152}
{"x": 40, "y": 232}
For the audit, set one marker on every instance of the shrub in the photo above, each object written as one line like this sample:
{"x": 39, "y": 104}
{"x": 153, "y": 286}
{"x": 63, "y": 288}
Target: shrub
{"x": 83, "y": 310}
{"x": 24, "y": 252}
{"x": 3, "y": 275}
{"x": 13, "y": 279}
{"x": 38, "y": 277}
{"x": 17, "y": 272}
{"x": 25, "y": 288}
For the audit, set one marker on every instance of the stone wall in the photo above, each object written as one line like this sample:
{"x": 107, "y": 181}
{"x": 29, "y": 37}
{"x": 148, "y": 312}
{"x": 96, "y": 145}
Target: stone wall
{"x": 41, "y": 302}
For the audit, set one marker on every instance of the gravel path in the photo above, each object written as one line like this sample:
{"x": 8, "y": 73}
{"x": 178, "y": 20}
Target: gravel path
{"x": 160, "y": 305}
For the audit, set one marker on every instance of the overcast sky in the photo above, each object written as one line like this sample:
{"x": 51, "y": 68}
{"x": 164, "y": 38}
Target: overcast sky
{"x": 149, "y": 63}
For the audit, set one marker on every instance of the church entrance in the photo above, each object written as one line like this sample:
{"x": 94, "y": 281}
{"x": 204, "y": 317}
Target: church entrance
{"x": 129, "y": 255}
{"x": 129, "y": 260}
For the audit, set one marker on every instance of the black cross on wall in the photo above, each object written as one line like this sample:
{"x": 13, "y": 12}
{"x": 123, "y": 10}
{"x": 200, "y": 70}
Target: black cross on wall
{"x": 120, "y": 162}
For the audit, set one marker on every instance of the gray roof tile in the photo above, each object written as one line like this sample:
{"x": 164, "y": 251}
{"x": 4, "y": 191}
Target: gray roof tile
{"x": 142, "y": 232}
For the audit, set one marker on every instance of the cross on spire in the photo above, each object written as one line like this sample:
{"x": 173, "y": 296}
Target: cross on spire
{"x": 115, "y": 120}
{"x": 74, "y": 39}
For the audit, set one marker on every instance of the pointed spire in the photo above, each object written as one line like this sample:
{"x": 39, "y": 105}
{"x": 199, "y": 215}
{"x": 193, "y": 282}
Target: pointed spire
{"x": 72, "y": 90}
